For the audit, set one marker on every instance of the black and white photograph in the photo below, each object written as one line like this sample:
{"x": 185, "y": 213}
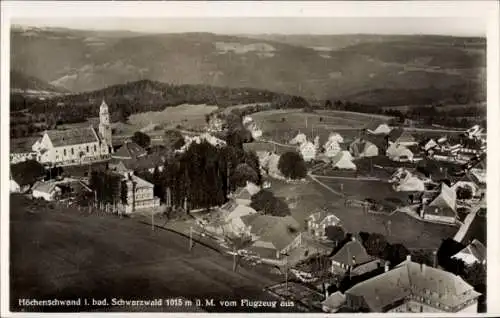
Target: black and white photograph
{"x": 228, "y": 162}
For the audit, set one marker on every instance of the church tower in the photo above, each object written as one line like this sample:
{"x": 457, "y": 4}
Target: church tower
{"x": 104, "y": 125}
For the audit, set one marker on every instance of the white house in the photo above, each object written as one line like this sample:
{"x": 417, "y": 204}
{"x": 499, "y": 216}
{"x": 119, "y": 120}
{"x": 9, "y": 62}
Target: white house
{"x": 397, "y": 152}
{"x": 475, "y": 252}
{"x": 308, "y": 151}
{"x": 299, "y": 139}
{"x": 404, "y": 181}
{"x": 343, "y": 160}
{"x": 76, "y": 146}
{"x": 46, "y": 190}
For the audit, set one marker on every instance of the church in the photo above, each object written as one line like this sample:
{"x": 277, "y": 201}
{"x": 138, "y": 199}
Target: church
{"x": 76, "y": 146}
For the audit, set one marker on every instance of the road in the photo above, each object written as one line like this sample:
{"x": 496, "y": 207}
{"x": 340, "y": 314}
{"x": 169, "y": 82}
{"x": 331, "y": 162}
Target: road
{"x": 69, "y": 254}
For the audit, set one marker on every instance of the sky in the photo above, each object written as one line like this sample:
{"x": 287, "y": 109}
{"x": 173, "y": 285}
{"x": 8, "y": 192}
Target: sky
{"x": 306, "y": 25}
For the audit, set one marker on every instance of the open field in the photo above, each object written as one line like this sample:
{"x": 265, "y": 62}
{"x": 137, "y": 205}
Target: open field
{"x": 307, "y": 197}
{"x": 69, "y": 254}
{"x": 189, "y": 116}
{"x": 283, "y": 125}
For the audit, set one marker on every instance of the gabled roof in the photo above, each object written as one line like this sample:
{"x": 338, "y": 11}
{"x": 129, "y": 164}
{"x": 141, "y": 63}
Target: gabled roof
{"x": 70, "y": 137}
{"x": 280, "y": 231}
{"x": 383, "y": 292}
{"x": 444, "y": 203}
{"x": 320, "y": 215}
{"x": 351, "y": 254}
{"x": 45, "y": 187}
{"x": 476, "y": 249}
{"x": 343, "y": 160}
{"x": 130, "y": 150}
{"x": 401, "y": 135}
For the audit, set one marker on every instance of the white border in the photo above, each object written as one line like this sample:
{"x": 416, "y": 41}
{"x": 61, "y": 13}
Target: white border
{"x": 487, "y": 10}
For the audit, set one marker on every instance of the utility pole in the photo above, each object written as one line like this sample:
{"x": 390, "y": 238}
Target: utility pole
{"x": 152, "y": 221}
{"x": 190, "y": 238}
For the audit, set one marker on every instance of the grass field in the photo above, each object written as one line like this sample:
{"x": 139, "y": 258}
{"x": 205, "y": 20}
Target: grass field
{"x": 69, "y": 254}
{"x": 307, "y": 197}
{"x": 282, "y": 125}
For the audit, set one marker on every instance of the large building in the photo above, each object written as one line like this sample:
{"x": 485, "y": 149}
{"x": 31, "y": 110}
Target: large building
{"x": 76, "y": 146}
{"x": 413, "y": 287}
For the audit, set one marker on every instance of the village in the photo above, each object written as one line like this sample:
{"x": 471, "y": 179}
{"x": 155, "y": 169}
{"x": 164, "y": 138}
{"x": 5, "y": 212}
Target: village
{"x": 345, "y": 253}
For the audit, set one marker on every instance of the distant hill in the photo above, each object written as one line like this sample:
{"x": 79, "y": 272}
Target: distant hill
{"x": 336, "y": 67}
{"x": 23, "y": 83}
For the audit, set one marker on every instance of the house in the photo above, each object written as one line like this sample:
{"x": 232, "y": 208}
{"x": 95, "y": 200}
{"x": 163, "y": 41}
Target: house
{"x": 131, "y": 157}
{"x": 378, "y": 129}
{"x": 334, "y": 302}
{"x": 475, "y": 252}
{"x": 46, "y": 190}
{"x": 299, "y": 139}
{"x": 318, "y": 221}
{"x": 361, "y": 148}
{"x": 351, "y": 255}
{"x": 412, "y": 287}
{"x": 332, "y": 146}
{"x": 404, "y": 181}
{"x": 129, "y": 151}
{"x": 233, "y": 222}
{"x": 400, "y": 153}
{"x": 343, "y": 160}
{"x": 139, "y": 194}
{"x": 268, "y": 162}
{"x": 272, "y": 236}
{"x": 442, "y": 208}
{"x": 308, "y": 151}
{"x": 429, "y": 144}
{"x": 243, "y": 195}
{"x": 402, "y": 137}
{"x": 76, "y": 146}
{"x": 21, "y": 150}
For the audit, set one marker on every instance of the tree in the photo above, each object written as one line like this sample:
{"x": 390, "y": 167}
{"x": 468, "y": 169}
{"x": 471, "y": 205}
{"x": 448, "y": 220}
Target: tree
{"x": 173, "y": 139}
{"x": 375, "y": 245}
{"x": 237, "y": 243}
{"x": 27, "y": 172}
{"x": 464, "y": 193}
{"x": 141, "y": 139}
{"x": 335, "y": 233}
{"x": 266, "y": 202}
{"x": 242, "y": 174}
{"x": 395, "y": 253}
{"x": 292, "y": 165}
{"x": 423, "y": 257}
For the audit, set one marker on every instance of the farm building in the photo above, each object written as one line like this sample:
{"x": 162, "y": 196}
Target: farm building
{"x": 402, "y": 137}
{"x": 350, "y": 256}
{"x": 442, "y": 208}
{"x": 361, "y": 148}
{"x": 475, "y": 252}
{"x": 299, "y": 139}
{"x": 46, "y": 190}
{"x": 272, "y": 236}
{"x": 332, "y": 146}
{"x": 318, "y": 221}
{"x": 413, "y": 287}
{"x": 343, "y": 161}
{"x": 404, "y": 181}
{"x": 233, "y": 222}
{"x": 378, "y": 129}
{"x": 308, "y": 151}
{"x": 400, "y": 153}
{"x": 268, "y": 162}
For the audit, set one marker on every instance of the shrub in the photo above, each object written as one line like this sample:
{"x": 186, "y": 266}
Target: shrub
{"x": 292, "y": 165}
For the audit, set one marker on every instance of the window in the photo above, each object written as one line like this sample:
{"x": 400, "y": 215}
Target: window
{"x": 95, "y": 148}
{"x": 72, "y": 151}
{"x": 87, "y": 149}
{"x": 65, "y": 152}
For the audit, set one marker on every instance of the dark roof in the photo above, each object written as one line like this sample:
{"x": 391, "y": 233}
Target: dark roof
{"x": 70, "y": 137}
{"x": 280, "y": 231}
{"x": 140, "y": 163}
{"x": 401, "y": 135}
{"x": 352, "y": 253}
{"x": 383, "y": 292}
{"x": 129, "y": 150}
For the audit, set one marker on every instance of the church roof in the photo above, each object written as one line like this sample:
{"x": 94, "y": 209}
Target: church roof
{"x": 70, "y": 137}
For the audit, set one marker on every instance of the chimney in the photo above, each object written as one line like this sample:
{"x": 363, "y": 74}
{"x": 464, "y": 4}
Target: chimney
{"x": 408, "y": 258}
{"x": 435, "y": 262}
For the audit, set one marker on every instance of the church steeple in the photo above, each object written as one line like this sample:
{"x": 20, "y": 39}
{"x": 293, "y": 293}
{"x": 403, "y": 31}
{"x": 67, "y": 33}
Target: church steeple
{"x": 104, "y": 124}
